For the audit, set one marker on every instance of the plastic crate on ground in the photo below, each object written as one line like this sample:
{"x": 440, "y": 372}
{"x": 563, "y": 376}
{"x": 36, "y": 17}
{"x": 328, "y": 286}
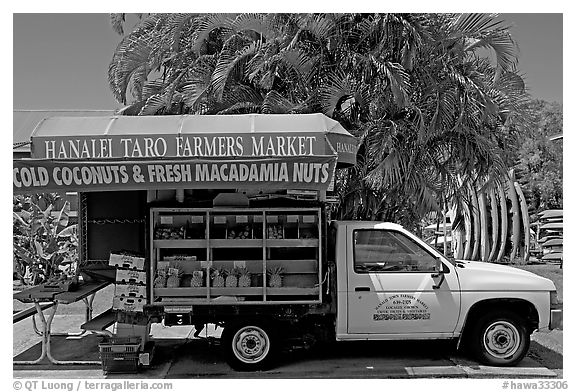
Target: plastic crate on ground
{"x": 120, "y": 354}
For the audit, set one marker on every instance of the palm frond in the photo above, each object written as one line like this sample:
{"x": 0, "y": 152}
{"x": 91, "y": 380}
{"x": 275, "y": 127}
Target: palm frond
{"x": 133, "y": 53}
{"x": 274, "y": 102}
{"x": 176, "y": 25}
{"x": 117, "y": 23}
{"x": 474, "y": 23}
{"x": 207, "y": 25}
{"x": 333, "y": 92}
{"x": 155, "y": 104}
{"x": 487, "y": 31}
{"x": 231, "y": 63}
{"x": 397, "y": 77}
{"x": 241, "y": 108}
{"x": 257, "y": 23}
{"x": 198, "y": 85}
{"x": 321, "y": 27}
{"x": 298, "y": 61}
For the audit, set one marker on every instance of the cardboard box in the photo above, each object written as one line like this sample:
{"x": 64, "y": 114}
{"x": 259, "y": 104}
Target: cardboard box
{"x": 130, "y": 290}
{"x": 128, "y": 304}
{"x": 126, "y": 261}
{"x": 130, "y": 277}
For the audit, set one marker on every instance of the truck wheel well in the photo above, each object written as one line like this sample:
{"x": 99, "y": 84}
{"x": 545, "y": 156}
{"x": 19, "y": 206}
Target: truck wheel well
{"x": 522, "y": 308}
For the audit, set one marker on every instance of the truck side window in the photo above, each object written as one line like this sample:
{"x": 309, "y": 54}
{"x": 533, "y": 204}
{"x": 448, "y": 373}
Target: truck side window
{"x": 389, "y": 251}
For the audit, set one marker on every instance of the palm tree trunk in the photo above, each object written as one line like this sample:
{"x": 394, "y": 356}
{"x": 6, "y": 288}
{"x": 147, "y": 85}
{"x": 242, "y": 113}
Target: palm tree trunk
{"x": 503, "y": 221}
{"x": 457, "y": 236}
{"x": 525, "y": 220}
{"x": 515, "y": 215}
{"x": 484, "y": 239}
{"x": 476, "y": 223}
{"x": 494, "y": 215}
{"x": 468, "y": 232}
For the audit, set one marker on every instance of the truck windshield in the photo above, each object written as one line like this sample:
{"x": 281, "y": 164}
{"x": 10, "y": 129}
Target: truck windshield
{"x": 389, "y": 251}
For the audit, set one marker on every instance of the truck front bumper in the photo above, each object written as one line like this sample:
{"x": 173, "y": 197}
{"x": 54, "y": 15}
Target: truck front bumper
{"x": 556, "y": 319}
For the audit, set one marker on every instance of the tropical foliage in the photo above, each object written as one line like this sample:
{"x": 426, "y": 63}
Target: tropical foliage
{"x": 539, "y": 160}
{"x": 44, "y": 246}
{"x": 431, "y": 97}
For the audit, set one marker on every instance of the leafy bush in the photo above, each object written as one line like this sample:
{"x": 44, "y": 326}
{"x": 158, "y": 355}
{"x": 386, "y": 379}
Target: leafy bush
{"x": 45, "y": 247}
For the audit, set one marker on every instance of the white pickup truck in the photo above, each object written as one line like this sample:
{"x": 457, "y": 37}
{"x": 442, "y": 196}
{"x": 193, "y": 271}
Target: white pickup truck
{"x": 383, "y": 283}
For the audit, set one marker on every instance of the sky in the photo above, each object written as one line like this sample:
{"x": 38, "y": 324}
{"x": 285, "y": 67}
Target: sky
{"x": 60, "y": 61}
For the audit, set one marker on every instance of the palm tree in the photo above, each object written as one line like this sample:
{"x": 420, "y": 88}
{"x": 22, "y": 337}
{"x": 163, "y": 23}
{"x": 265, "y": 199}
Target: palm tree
{"x": 432, "y": 114}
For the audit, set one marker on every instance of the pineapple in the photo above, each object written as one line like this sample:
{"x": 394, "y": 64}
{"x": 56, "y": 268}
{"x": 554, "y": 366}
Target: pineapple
{"x": 275, "y": 277}
{"x": 244, "y": 277}
{"x": 197, "y": 279}
{"x": 174, "y": 275}
{"x": 232, "y": 278}
{"x": 160, "y": 280}
{"x": 218, "y": 277}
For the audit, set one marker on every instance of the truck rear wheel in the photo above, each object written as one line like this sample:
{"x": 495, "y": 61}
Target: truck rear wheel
{"x": 248, "y": 346}
{"x": 500, "y": 339}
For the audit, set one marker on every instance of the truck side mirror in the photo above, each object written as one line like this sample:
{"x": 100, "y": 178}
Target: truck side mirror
{"x": 438, "y": 273}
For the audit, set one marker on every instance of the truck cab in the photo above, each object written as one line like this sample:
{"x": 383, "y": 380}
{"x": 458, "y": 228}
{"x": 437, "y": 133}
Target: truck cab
{"x": 391, "y": 285}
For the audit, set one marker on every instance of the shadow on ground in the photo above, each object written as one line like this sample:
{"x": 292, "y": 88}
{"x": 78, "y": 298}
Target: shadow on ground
{"x": 203, "y": 358}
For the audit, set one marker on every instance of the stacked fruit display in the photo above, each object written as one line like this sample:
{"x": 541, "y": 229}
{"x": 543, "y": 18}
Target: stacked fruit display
{"x": 241, "y": 233}
{"x": 307, "y": 234}
{"x": 170, "y": 233}
{"x": 275, "y": 232}
{"x": 170, "y": 276}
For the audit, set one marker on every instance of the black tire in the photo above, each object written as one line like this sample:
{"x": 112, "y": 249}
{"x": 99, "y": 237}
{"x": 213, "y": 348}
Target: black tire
{"x": 499, "y": 339}
{"x": 249, "y": 345}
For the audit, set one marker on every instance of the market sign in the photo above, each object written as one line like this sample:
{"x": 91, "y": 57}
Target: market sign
{"x": 162, "y": 137}
{"x": 181, "y": 146}
{"x": 311, "y": 172}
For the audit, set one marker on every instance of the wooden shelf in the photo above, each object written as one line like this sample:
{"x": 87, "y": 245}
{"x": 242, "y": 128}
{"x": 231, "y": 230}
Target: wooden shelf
{"x": 292, "y": 291}
{"x": 232, "y": 291}
{"x": 181, "y": 292}
{"x": 247, "y": 243}
{"x": 299, "y": 243}
{"x": 180, "y": 243}
{"x": 214, "y": 291}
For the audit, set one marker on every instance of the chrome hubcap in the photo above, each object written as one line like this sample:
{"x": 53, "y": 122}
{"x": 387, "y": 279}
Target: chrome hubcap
{"x": 501, "y": 339}
{"x": 251, "y": 344}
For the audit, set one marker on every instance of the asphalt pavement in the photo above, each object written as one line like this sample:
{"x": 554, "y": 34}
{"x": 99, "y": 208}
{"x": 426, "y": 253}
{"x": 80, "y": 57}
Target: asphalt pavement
{"x": 180, "y": 356}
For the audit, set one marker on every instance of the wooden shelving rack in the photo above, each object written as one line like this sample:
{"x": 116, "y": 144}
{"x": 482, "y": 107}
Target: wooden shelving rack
{"x": 300, "y": 258}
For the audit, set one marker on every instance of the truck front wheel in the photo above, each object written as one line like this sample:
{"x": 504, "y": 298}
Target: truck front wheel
{"x": 248, "y": 346}
{"x": 500, "y": 339}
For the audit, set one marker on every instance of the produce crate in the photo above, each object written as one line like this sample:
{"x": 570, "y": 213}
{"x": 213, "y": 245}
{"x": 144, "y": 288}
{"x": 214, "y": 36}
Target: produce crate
{"x": 120, "y": 355}
{"x": 130, "y": 276}
{"x": 128, "y": 304}
{"x": 130, "y": 290}
{"x": 126, "y": 261}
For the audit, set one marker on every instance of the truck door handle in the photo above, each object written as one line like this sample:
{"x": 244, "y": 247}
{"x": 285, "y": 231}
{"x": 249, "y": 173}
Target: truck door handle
{"x": 362, "y": 289}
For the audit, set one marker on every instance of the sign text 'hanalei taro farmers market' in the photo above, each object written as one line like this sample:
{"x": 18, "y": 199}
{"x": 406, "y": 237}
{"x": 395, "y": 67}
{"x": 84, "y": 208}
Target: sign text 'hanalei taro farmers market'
{"x": 185, "y": 146}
